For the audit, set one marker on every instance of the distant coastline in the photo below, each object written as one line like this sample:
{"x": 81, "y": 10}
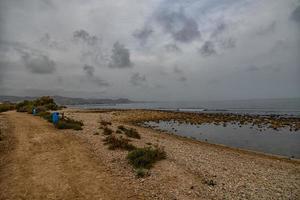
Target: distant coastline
{"x": 69, "y": 100}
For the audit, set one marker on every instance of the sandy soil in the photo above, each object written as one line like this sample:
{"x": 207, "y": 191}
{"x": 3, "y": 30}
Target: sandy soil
{"x": 52, "y": 164}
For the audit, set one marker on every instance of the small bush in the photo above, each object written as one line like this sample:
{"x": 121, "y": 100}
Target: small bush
{"x": 107, "y": 131}
{"x": 141, "y": 172}
{"x": 129, "y": 132}
{"x": 41, "y": 109}
{"x": 25, "y": 106}
{"x": 132, "y": 133}
{"x": 119, "y": 131}
{"x": 145, "y": 157}
{"x": 121, "y": 127}
{"x": 45, "y": 115}
{"x": 6, "y": 107}
{"x": 105, "y": 123}
{"x": 118, "y": 143}
{"x": 69, "y": 124}
{"x": 210, "y": 182}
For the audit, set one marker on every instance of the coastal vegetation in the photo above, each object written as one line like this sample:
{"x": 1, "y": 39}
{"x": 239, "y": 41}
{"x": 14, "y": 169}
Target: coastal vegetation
{"x": 107, "y": 131}
{"x": 7, "y": 106}
{"x": 105, "y": 123}
{"x": 114, "y": 142}
{"x": 131, "y": 132}
{"x": 144, "y": 158}
{"x": 41, "y": 104}
{"x": 67, "y": 123}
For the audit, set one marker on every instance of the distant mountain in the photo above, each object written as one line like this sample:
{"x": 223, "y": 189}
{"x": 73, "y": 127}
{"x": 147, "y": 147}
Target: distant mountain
{"x": 68, "y": 100}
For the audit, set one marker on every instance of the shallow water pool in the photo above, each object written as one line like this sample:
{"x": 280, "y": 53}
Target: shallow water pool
{"x": 281, "y": 142}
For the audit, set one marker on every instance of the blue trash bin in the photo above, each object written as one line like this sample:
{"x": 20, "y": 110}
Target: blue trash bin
{"x": 55, "y": 118}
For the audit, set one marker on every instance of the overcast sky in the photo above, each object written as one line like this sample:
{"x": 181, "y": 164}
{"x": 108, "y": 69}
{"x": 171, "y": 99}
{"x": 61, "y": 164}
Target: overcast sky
{"x": 151, "y": 49}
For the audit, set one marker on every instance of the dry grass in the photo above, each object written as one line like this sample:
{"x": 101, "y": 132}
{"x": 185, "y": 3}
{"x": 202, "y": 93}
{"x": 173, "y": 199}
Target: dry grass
{"x": 114, "y": 142}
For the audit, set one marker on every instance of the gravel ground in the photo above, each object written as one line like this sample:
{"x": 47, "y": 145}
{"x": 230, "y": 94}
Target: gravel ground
{"x": 192, "y": 170}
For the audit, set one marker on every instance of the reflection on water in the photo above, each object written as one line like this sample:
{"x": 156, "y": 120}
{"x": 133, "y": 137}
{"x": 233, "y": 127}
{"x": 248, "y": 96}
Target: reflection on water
{"x": 281, "y": 142}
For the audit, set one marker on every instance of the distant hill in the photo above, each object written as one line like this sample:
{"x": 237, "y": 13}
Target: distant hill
{"x": 68, "y": 100}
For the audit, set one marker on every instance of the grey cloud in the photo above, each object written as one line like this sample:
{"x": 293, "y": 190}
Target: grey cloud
{"x": 100, "y": 82}
{"x": 60, "y": 79}
{"x": 39, "y": 64}
{"x": 143, "y": 34}
{"x": 89, "y": 70}
{"x": 252, "y": 68}
{"x": 47, "y": 4}
{"x": 91, "y": 49}
{"x": 188, "y": 32}
{"x": 49, "y": 42}
{"x": 221, "y": 27}
{"x": 2, "y": 70}
{"x": 182, "y": 78}
{"x": 120, "y": 57}
{"x": 84, "y": 36}
{"x": 173, "y": 48}
{"x": 177, "y": 70}
{"x": 269, "y": 67}
{"x": 181, "y": 27}
{"x": 180, "y": 73}
{"x": 137, "y": 79}
{"x": 34, "y": 60}
{"x": 295, "y": 16}
{"x": 269, "y": 28}
{"x": 19, "y": 47}
{"x": 228, "y": 43}
{"x": 208, "y": 49}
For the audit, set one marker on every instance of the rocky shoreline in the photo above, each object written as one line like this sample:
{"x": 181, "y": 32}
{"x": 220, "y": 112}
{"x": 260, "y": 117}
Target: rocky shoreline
{"x": 193, "y": 169}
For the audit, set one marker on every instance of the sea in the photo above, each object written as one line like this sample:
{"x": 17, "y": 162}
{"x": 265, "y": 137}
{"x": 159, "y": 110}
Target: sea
{"x": 281, "y": 142}
{"x": 285, "y": 107}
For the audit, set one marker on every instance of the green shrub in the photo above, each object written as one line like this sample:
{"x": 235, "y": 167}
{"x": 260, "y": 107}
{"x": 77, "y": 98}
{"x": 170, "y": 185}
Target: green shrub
{"x": 141, "y": 172}
{"x": 6, "y": 107}
{"x": 45, "y": 115}
{"x": 105, "y": 123}
{"x": 52, "y": 106}
{"x": 67, "y": 123}
{"x": 107, "y": 131}
{"x": 121, "y": 127}
{"x": 129, "y": 132}
{"x": 24, "y": 106}
{"x": 132, "y": 133}
{"x": 145, "y": 157}
{"x": 46, "y": 102}
{"x": 41, "y": 109}
{"x": 118, "y": 143}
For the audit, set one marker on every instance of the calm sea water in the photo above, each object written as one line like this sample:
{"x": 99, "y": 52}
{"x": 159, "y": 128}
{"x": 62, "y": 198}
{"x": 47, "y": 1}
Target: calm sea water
{"x": 280, "y": 142}
{"x": 259, "y": 107}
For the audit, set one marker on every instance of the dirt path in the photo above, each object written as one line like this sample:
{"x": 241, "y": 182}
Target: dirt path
{"x": 50, "y": 164}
